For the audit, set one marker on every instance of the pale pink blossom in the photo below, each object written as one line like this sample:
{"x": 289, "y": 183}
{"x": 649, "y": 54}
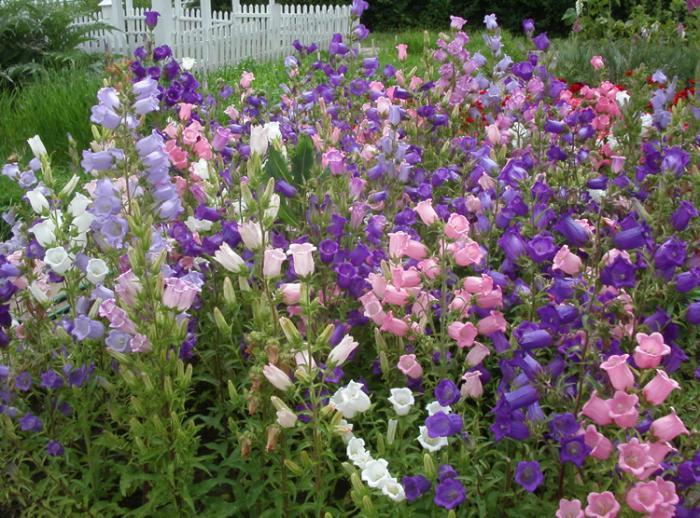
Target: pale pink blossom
{"x": 602, "y": 505}
{"x": 463, "y": 333}
{"x": 635, "y": 458}
{"x": 566, "y": 261}
{"x": 394, "y": 325}
{"x": 472, "y": 387}
{"x": 668, "y": 427}
{"x": 650, "y": 350}
{"x": 659, "y": 388}
{"x": 402, "y": 49}
{"x": 623, "y": 409}
{"x": 601, "y": 447}
{"x": 597, "y": 409}
{"x": 569, "y": 509}
{"x": 597, "y": 62}
{"x": 619, "y": 372}
{"x": 426, "y": 212}
{"x": 410, "y": 366}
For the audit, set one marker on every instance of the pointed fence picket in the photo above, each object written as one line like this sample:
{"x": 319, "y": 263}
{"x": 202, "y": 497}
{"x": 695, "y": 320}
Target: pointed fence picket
{"x": 259, "y": 32}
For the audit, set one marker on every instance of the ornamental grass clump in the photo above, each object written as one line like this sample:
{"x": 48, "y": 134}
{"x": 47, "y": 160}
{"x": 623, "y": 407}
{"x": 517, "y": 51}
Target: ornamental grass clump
{"x": 465, "y": 288}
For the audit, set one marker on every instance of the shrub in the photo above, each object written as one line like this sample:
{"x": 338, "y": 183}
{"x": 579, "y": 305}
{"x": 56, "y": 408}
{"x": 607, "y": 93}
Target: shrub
{"x": 36, "y": 36}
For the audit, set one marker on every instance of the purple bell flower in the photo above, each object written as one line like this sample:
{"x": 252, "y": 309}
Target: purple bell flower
{"x": 529, "y": 475}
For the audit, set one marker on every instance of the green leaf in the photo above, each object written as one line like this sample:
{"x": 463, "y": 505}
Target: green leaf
{"x": 276, "y": 166}
{"x": 303, "y": 159}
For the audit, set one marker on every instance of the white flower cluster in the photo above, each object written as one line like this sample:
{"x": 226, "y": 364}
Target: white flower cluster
{"x": 375, "y": 472}
{"x": 402, "y": 400}
{"x": 351, "y": 400}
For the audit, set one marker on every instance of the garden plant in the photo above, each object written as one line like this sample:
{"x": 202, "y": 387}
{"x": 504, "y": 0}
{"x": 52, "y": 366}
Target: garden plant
{"x": 464, "y": 288}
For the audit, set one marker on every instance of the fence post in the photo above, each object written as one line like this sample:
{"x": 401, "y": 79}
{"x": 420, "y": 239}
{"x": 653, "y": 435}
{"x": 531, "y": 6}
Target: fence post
{"x": 274, "y": 13}
{"x": 113, "y": 15}
{"x": 205, "y": 10}
{"x": 163, "y": 33}
{"x": 235, "y": 7}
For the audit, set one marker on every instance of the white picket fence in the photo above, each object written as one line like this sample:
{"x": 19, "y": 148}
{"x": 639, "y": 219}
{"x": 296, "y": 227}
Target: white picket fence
{"x": 217, "y": 38}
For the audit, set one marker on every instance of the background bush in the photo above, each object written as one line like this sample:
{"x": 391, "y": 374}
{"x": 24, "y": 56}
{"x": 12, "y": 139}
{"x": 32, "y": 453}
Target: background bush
{"x": 38, "y": 36}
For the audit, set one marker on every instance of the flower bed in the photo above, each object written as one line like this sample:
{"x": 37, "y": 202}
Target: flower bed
{"x": 467, "y": 289}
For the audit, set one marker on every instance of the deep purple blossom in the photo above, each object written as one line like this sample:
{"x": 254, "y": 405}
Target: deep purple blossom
{"x": 151, "y": 18}
{"x": 446, "y": 392}
{"x": 415, "y": 486}
{"x": 529, "y": 475}
{"x": 449, "y": 493}
{"x": 573, "y": 449}
{"x": 30, "y": 423}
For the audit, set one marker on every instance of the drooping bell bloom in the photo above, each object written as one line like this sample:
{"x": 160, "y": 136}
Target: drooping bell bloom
{"x": 602, "y": 505}
{"x": 668, "y": 427}
{"x": 410, "y": 366}
{"x": 659, "y": 388}
{"x": 601, "y": 447}
{"x": 463, "y": 333}
{"x": 394, "y": 325}
{"x": 569, "y": 509}
{"x": 597, "y": 409}
{"x": 623, "y": 409}
{"x": 618, "y": 371}
{"x": 644, "y": 497}
{"x": 650, "y": 350}
{"x": 635, "y": 458}
{"x": 426, "y": 212}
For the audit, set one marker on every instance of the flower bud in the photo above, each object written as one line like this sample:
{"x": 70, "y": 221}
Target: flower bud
{"x": 290, "y": 331}
{"x": 221, "y": 321}
{"x": 293, "y": 467}
{"x": 70, "y": 186}
{"x": 429, "y": 466}
{"x": 229, "y": 292}
{"x": 232, "y": 392}
{"x": 357, "y": 483}
{"x": 273, "y": 432}
{"x": 391, "y": 431}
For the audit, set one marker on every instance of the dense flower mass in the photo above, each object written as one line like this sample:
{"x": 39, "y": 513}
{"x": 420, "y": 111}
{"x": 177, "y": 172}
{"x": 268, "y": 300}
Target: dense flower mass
{"x": 469, "y": 286}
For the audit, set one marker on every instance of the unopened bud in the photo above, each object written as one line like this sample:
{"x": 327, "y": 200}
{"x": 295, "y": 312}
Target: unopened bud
{"x": 220, "y": 321}
{"x": 327, "y": 410}
{"x": 305, "y": 459}
{"x": 356, "y": 483}
{"x": 381, "y": 447}
{"x": 272, "y": 351}
{"x": 293, "y": 467}
{"x": 290, "y": 331}
{"x": 367, "y": 504}
{"x": 243, "y": 284}
{"x": 246, "y": 195}
{"x": 384, "y": 362}
{"x": 391, "y": 431}
{"x": 273, "y": 432}
{"x": 70, "y": 186}
{"x": 326, "y": 334}
{"x": 232, "y": 392}
{"x": 229, "y": 292}
{"x": 429, "y": 466}
{"x": 246, "y": 446}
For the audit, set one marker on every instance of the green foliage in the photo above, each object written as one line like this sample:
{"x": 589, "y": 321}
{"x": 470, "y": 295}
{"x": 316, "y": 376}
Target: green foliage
{"x": 39, "y": 36}
{"x": 390, "y": 14}
{"x": 659, "y": 21}
{"x": 621, "y": 56}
